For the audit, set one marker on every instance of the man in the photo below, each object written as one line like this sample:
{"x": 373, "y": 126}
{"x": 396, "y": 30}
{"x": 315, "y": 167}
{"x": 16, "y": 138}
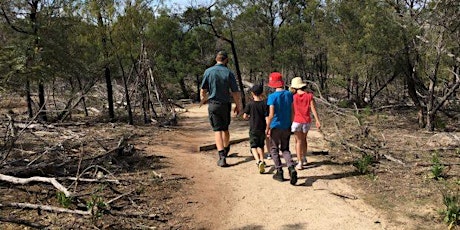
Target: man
{"x": 218, "y": 85}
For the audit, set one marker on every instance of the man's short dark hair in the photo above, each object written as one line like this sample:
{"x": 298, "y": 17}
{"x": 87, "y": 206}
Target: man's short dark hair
{"x": 222, "y": 55}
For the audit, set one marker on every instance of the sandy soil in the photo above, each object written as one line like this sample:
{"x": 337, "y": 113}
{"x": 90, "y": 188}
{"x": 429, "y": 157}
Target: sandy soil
{"x": 238, "y": 197}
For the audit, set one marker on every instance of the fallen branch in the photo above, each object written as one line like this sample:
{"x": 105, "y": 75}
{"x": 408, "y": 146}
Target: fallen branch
{"x": 45, "y": 208}
{"x": 389, "y": 157}
{"x": 118, "y": 197}
{"x": 53, "y": 181}
{"x": 344, "y": 196}
{"x": 90, "y": 180}
{"x": 134, "y": 214}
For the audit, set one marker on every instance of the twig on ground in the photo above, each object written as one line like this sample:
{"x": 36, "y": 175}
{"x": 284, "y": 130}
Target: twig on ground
{"x": 48, "y": 208}
{"x": 90, "y": 180}
{"x": 389, "y": 157}
{"x": 53, "y": 181}
{"x": 118, "y": 197}
{"x": 78, "y": 168}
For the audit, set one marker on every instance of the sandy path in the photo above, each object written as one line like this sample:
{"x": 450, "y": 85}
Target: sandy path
{"x": 239, "y": 197}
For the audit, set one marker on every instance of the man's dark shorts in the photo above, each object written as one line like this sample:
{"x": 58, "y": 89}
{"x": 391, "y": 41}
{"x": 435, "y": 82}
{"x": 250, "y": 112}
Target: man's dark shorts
{"x": 257, "y": 139}
{"x": 219, "y": 115}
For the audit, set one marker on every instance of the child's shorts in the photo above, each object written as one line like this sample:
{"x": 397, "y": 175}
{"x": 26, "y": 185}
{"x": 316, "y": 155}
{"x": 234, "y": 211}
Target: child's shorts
{"x": 300, "y": 127}
{"x": 257, "y": 138}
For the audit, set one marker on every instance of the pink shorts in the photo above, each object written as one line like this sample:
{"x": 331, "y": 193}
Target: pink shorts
{"x": 300, "y": 127}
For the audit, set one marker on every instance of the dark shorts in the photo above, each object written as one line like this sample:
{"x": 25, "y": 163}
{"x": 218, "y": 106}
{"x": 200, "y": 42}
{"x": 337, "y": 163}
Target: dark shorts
{"x": 257, "y": 139}
{"x": 219, "y": 115}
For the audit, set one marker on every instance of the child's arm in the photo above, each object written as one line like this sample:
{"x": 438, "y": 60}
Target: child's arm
{"x": 269, "y": 119}
{"x": 315, "y": 114}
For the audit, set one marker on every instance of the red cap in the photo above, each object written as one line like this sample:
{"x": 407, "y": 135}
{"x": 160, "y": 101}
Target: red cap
{"x": 275, "y": 80}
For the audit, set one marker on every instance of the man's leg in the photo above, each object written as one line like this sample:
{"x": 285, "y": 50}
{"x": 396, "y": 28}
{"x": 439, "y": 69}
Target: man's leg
{"x": 226, "y": 141}
{"x": 219, "y": 139}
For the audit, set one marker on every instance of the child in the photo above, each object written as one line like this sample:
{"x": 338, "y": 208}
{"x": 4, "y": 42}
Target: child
{"x": 256, "y": 112}
{"x": 279, "y": 126}
{"x": 303, "y": 104}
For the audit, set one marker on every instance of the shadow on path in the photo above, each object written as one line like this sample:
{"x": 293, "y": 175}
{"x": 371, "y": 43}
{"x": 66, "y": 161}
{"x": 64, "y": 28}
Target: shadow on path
{"x": 311, "y": 179}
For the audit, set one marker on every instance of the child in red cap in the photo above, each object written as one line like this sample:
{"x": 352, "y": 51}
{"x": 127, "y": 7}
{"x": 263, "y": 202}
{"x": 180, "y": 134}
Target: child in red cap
{"x": 279, "y": 126}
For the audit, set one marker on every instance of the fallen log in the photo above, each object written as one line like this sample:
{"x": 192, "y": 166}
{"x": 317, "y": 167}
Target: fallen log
{"x": 53, "y": 181}
{"x": 208, "y": 147}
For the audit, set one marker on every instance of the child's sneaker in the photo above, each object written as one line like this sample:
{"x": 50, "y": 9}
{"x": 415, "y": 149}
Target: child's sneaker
{"x": 304, "y": 160}
{"x": 261, "y": 167}
{"x": 299, "y": 166}
{"x": 293, "y": 175}
{"x": 279, "y": 175}
{"x": 269, "y": 157}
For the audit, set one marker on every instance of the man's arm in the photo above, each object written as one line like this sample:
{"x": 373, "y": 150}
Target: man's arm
{"x": 203, "y": 96}
{"x": 237, "y": 99}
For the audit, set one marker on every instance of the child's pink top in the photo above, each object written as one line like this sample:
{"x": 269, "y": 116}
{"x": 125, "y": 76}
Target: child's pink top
{"x": 302, "y": 107}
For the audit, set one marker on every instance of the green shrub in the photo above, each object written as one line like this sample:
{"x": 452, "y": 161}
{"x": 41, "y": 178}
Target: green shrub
{"x": 63, "y": 199}
{"x": 96, "y": 205}
{"x": 451, "y": 213}
{"x": 363, "y": 164}
{"x": 437, "y": 169}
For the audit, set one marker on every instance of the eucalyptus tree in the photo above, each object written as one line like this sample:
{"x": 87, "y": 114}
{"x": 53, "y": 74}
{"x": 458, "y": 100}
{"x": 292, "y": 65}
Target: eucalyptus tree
{"x": 440, "y": 61}
{"x": 219, "y": 18}
{"x": 262, "y": 21}
{"x": 102, "y": 13}
{"x": 166, "y": 40}
{"x": 129, "y": 36}
{"x": 27, "y": 19}
{"x": 196, "y": 44}
{"x": 195, "y": 47}
{"x": 431, "y": 53}
{"x": 346, "y": 50}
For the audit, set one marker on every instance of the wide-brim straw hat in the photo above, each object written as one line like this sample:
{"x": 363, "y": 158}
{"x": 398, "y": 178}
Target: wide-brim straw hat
{"x": 297, "y": 83}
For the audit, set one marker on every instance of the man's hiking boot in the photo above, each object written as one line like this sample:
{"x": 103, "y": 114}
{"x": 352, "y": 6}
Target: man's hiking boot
{"x": 293, "y": 175}
{"x": 222, "y": 162}
{"x": 261, "y": 166}
{"x": 279, "y": 175}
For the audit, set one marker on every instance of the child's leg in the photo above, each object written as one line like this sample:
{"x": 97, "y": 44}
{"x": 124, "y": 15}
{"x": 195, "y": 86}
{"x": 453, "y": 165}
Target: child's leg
{"x": 285, "y": 135}
{"x": 261, "y": 163}
{"x": 304, "y": 158}
{"x": 274, "y": 149}
{"x": 256, "y": 154}
{"x": 260, "y": 153}
{"x": 298, "y": 145}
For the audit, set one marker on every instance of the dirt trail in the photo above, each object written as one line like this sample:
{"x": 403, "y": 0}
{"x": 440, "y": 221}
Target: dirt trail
{"x": 238, "y": 197}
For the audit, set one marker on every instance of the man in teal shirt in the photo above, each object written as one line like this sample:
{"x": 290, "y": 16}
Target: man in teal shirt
{"x": 217, "y": 88}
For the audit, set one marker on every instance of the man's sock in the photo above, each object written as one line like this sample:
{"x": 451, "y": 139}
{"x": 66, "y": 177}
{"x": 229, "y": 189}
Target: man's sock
{"x": 227, "y": 150}
{"x": 222, "y": 154}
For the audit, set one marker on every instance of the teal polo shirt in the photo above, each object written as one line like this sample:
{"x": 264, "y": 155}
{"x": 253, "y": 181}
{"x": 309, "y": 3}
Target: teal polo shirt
{"x": 218, "y": 80}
